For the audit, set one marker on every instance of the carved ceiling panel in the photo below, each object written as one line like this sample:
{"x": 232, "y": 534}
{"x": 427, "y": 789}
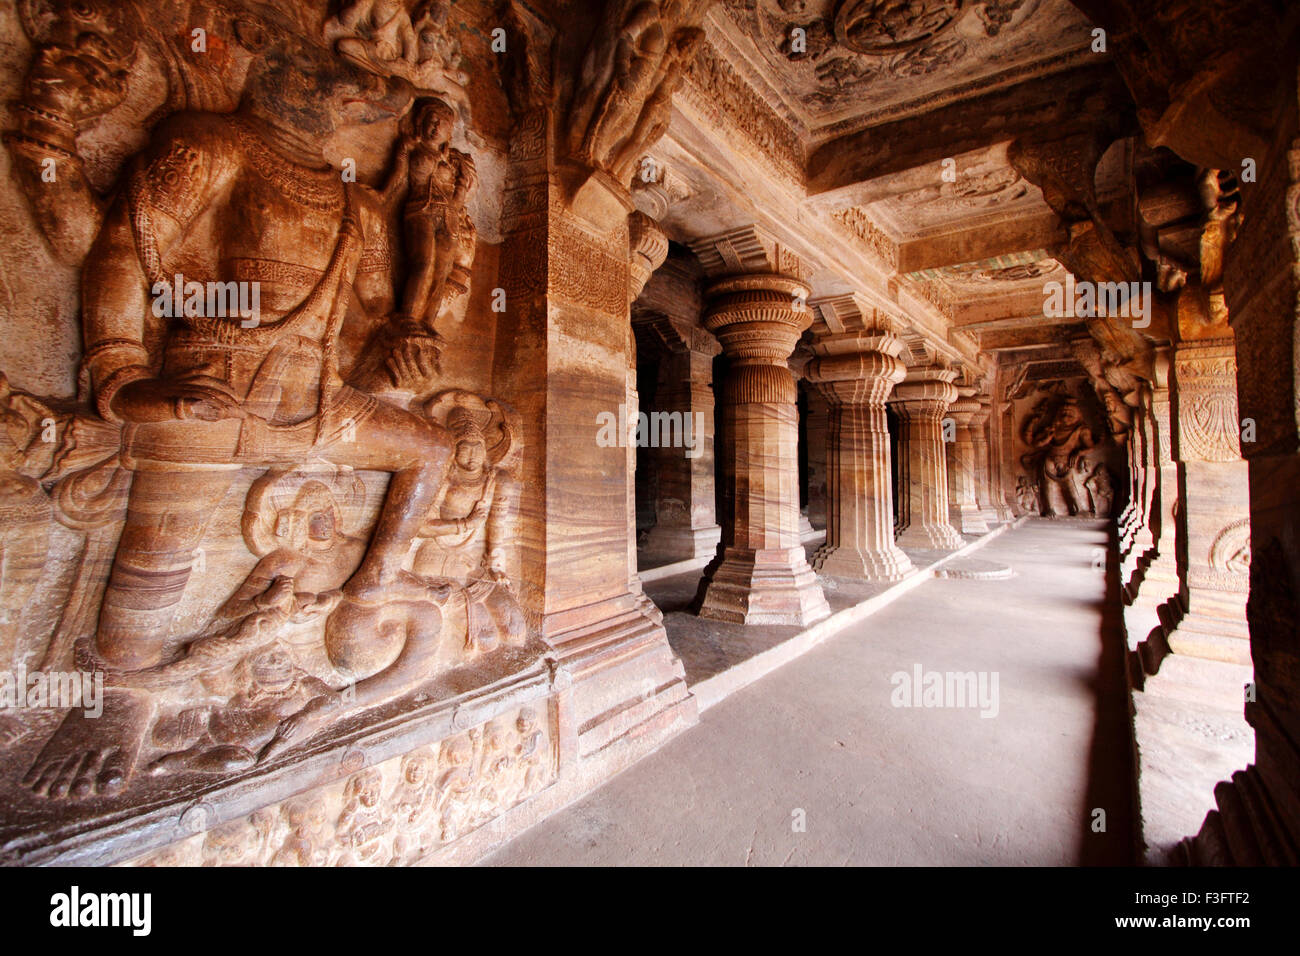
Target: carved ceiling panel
{"x": 961, "y": 197}
{"x": 840, "y": 64}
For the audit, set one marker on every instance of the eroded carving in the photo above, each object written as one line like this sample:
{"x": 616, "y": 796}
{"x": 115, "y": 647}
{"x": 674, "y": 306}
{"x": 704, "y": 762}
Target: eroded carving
{"x": 395, "y": 812}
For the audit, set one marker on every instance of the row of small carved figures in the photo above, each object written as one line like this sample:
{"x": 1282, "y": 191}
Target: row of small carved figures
{"x": 439, "y": 795}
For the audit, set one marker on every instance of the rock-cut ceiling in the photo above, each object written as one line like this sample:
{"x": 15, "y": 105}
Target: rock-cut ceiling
{"x": 858, "y": 62}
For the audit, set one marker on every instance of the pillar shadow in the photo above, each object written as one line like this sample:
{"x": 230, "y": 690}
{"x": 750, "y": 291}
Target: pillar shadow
{"x": 1112, "y": 760}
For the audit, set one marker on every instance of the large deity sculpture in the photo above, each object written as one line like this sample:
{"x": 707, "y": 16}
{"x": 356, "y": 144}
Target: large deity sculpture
{"x": 1059, "y": 438}
{"x": 187, "y": 403}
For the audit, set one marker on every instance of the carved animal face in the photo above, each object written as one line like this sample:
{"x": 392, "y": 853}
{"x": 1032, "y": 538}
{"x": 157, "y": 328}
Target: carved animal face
{"x": 85, "y": 48}
{"x": 310, "y": 90}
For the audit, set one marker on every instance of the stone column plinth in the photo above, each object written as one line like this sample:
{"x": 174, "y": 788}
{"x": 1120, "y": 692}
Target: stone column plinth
{"x": 964, "y": 509}
{"x": 922, "y": 401}
{"x": 1215, "y": 517}
{"x": 764, "y": 577}
{"x": 856, "y": 373}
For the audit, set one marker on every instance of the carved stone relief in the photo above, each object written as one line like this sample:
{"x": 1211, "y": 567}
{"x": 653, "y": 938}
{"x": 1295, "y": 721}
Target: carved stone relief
{"x": 1066, "y": 453}
{"x": 276, "y": 510}
{"x": 837, "y": 57}
{"x": 393, "y": 813}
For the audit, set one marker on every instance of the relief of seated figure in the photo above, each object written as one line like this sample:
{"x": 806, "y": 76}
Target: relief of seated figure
{"x": 464, "y": 539}
{"x": 270, "y": 688}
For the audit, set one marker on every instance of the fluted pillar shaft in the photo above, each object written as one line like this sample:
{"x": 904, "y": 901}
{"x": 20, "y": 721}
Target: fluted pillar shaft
{"x": 921, "y": 403}
{"x": 964, "y": 507}
{"x": 856, "y": 373}
{"x": 984, "y": 480}
{"x": 1160, "y": 581}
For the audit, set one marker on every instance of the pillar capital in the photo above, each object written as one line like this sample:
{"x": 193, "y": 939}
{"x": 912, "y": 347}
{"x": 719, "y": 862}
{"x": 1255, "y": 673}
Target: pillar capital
{"x": 926, "y": 392}
{"x": 749, "y": 250}
{"x": 758, "y": 320}
{"x": 964, "y": 409}
{"x": 647, "y": 250}
{"x": 676, "y": 336}
{"x": 864, "y": 375}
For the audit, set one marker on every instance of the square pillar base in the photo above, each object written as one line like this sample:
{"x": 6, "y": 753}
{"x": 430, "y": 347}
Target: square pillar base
{"x": 764, "y": 587}
{"x": 875, "y": 565}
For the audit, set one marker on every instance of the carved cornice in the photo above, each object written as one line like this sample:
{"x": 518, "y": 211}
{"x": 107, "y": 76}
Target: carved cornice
{"x": 718, "y": 93}
{"x": 868, "y": 235}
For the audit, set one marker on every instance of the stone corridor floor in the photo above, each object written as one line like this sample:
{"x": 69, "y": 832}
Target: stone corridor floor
{"x": 814, "y": 765}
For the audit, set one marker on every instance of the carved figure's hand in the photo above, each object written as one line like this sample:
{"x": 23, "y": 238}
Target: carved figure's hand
{"x": 279, "y": 596}
{"x": 413, "y": 364}
{"x": 158, "y": 400}
{"x": 468, "y": 177}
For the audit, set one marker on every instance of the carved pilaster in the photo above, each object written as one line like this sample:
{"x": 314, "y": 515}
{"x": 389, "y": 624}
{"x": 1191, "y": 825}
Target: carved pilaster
{"x": 686, "y": 525}
{"x": 1159, "y": 581}
{"x": 963, "y": 505}
{"x": 986, "y": 479}
{"x": 1214, "y": 521}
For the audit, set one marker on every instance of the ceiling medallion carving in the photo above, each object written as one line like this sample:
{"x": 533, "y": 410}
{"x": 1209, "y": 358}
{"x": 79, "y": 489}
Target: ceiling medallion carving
{"x": 828, "y": 52}
{"x": 935, "y": 55}
{"x": 888, "y": 26}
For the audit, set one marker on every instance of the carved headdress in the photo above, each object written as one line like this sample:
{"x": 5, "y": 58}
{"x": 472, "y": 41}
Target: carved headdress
{"x": 467, "y": 415}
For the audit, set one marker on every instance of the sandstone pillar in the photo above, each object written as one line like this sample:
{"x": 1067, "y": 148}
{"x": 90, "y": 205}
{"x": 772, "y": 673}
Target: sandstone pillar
{"x": 1262, "y": 284}
{"x": 921, "y": 401}
{"x": 763, "y": 577}
{"x": 647, "y": 249}
{"x": 566, "y": 274}
{"x": 985, "y": 479}
{"x": 686, "y": 524}
{"x": 964, "y": 509}
{"x": 856, "y": 371}
{"x": 1215, "y": 517}
{"x": 816, "y": 425}
{"x": 1159, "y": 579}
